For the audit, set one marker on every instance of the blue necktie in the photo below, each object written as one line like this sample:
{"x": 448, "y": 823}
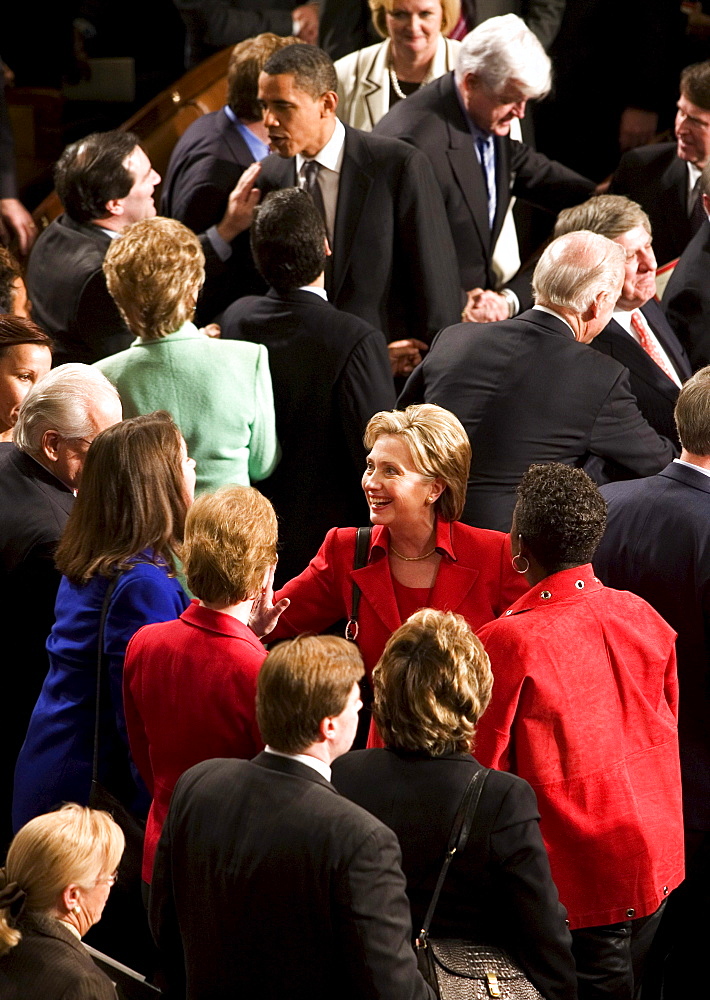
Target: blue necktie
{"x": 486, "y": 153}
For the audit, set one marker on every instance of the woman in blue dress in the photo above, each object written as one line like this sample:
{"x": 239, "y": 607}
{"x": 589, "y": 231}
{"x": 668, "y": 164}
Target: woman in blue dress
{"x": 137, "y": 485}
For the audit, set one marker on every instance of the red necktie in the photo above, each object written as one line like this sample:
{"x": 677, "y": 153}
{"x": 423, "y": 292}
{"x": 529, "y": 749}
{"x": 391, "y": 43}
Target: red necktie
{"x": 649, "y": 344}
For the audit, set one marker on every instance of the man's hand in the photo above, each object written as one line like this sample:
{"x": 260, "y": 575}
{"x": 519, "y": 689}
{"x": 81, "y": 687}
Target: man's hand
{"x": 405, "y": 355}
{"x": 241, "y": 204}
{"x": 15, "y": 218}
{"x": 211, "y": 330}
{"x": 306, "y": 20}
{"x": 485, "y": 307}
{"x": 636, "y": 128}
{"x": 264, "y": 613}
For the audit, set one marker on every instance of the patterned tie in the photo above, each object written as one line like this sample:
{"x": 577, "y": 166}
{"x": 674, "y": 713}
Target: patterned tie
{"x": 697, "y": 214}
{"x": 486, "y": 154}
{"x": 310, "y": 172}
{"x": 649, "y": 344}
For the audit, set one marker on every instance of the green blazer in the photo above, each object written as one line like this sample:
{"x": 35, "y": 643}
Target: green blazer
{"x": 218, "y": 392}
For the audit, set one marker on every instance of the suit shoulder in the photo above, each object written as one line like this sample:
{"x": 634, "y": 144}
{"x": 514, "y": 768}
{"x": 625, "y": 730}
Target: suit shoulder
{"x": 382, "y": 148}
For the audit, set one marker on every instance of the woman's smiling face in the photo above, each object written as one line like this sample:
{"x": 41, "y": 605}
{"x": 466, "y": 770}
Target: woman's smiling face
{"x": 395, "y": 490}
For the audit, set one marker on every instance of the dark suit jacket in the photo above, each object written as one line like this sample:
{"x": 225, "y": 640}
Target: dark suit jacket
{"x": 206, "y": 163}
{"x": 393, "y": 261}
{"x": 330, "y": 374}
{"x": 655, "y": 393}
{"x": 432, "y": 120}
{"x": 300, "y": 890}
{"x": 34, "y": 507}
{"x": 212, "y": 24}
{"x": 657, "y": 544}
{"x": 345, "y": 26}
{"x": 70, "y": 300}
{"x": 50, "y": 963}
{"x": 526, "y": 391}
{"x": 655, "y": 178}
{"x": 500, "y": 890}
{"x": 686, "y": 300}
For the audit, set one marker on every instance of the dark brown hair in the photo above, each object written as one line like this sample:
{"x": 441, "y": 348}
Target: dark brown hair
{"x": 16, "y": 330}
{"x": 132, "y": 498}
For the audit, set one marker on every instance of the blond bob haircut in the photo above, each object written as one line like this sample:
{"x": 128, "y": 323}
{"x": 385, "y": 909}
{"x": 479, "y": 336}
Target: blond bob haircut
{"x": 432, "y": 684}
{"x": 439, "y": 447}
{"x": 301, "y": 683}
{"x": 575, "y": 268}
{"x": 609, "y": 215}
{"x": 73, "y": 846}
{"x": 450, "y": 13}
{"x": 154, "y": 272}
{"x": 230, "y": 543}
{"x": 692, "y": 413}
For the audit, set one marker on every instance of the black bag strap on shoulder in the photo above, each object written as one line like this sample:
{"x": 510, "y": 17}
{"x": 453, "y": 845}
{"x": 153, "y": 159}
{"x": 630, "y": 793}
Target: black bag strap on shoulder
{"x": 362, "y": 549}
{"x": 99, "y": 670}
{"x": 460, "y": 830}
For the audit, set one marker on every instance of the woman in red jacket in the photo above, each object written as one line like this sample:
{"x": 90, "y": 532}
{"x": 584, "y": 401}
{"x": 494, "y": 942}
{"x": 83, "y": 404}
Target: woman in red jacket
{"x": 584, "y": 707}
{"x": 190, "y": 684}
{"x": 419, "y": 554}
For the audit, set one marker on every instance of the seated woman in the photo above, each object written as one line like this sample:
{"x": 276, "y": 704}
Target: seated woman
{"x": 58, "y": 875}
{"x": 585, "y": 707}
{"x": 431, "y": 687}
{"x": 218, "y": 392}
{"x": 190, "y": 684}
{"x": 25, "y": 356}
{"x": 124, "y": 529}
{"x": 414, "y": 53}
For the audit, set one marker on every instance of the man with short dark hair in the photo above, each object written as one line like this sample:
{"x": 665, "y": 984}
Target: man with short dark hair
{"x": 393, "y": 261}
{"x": 664, "y": 178}
{"x": 330, "y": 374}
{"x": 300, "y": 891}
{"x": 105, "y": 182}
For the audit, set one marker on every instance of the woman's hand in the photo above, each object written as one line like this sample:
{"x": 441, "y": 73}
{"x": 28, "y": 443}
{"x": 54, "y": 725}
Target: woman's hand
{"x": 264, "y": 613}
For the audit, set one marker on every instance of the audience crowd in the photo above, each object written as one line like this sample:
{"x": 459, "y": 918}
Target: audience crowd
{"x": 457, "y": 459}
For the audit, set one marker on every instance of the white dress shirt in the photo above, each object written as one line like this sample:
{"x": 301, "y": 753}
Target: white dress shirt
{"x": 330, "y": 159}
{"x": 623, "y": 318}
{"x": 315, "y": 762}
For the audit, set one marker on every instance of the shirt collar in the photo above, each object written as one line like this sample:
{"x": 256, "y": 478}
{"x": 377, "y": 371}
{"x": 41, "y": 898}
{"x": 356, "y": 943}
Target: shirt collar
{"x": 218, "y": 621}
{"x": 569, "y": 584}
{"x": 691, "y": 465}
{"x": 258, "y": 149}
{"x": 623, "y": 318}
{"x": 318, "y": 765}
{"x": 316, "y": 289}
{"x": 443, "y": 543}
{"x": 476, "y": 132}
{"x": 551, "y": 312}
{"x": 331, "y": 155}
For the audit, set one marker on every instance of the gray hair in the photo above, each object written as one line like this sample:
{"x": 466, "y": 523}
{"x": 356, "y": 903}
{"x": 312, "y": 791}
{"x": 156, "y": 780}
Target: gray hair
{"x": 61, "y": 401}
{"x": 575, "y": 268}
{"x": 610, "y": 215}
{"x": 502, "y": 49}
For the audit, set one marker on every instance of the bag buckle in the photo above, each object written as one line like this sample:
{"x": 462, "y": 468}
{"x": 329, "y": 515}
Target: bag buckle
{"x": 351, "y": 630}
{"x": 492, "y": 983}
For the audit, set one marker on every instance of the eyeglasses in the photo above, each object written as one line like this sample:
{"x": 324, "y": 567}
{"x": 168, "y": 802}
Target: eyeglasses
{"x": 109, "y": 880}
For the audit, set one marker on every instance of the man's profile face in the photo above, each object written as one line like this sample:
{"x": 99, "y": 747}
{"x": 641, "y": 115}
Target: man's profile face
{"x": 70, "y": 453}
{"x": 295, "y": 121}
{"x": 493, "y": 111}
{"x": 639, "y": 270}
{"x": 138, "y": 203}
{"x": 692, "y": 130}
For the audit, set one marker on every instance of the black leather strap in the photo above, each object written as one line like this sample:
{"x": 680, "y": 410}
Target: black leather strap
{"x": 362, "y": 549}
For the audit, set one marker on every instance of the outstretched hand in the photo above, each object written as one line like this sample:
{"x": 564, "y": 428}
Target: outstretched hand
{"x": 264, "y": 613}
{"x": 241, "y": 204}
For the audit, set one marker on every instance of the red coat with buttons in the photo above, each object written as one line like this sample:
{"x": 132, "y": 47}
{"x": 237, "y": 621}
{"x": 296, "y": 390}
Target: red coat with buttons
{"x": 585, "y": 708}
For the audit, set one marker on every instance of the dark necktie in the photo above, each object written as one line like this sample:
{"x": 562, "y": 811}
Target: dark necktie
{"x": 486, "y": 152}
{"x": 311, "y": 169}
{"x": 697, "y": 214}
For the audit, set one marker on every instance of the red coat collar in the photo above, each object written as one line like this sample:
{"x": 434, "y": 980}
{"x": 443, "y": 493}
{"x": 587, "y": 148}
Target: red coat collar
{"x": 381, "y": 540}
{"x": 569, "y": 584}
{"x": 217, "y": 621}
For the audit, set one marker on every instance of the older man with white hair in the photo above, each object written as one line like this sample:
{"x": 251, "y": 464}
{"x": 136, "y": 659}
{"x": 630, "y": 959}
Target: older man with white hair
{"x": 462, "y": 122}
{"x": 39, "y": 475}
{"x": 530, "y": 389}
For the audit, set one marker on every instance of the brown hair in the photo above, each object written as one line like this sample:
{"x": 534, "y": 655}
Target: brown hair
{"x": 692, "y": 413}
{"x": 9, "y": 274}
{"x": 154, "y": 271}
{"x": 439, "y": 447}
{"x": 609, "y": 215}
{"x": 450, "y": 13}
{"x": 132, "y": 498}
{"x": 245, "y": 63}
{"x": 695, "y": 84}
{"x": 432, "y": 684}
{"x": 16, "y": 330}
{"x": 302, "y": 682}
{"x": 230, "y": 542}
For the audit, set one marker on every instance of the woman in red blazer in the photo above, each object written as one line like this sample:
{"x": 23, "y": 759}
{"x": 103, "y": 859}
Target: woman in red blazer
{"x": 190, "y": 684}
{"x": 584, "y": 707}
{"x": 419, "y": 555}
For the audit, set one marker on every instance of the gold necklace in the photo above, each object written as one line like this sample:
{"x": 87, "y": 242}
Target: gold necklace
{"x": 412, "y": 558}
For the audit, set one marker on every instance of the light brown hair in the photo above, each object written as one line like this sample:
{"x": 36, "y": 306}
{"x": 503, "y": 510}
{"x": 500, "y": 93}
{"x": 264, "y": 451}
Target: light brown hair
{"x": 450, "y": 13}
{"x": 692, "y": 413}
{"x": 245, "y": 63}
{"x": 609, "y": 215}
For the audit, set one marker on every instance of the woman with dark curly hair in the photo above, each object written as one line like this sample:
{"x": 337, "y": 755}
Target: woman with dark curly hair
{"x": 585, "y": 707}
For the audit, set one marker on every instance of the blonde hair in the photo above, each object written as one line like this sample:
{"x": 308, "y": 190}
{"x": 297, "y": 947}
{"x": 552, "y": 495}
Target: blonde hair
{"x": 450, "y": 13}
{"x": 75, "y": 844}
{"x": 230, "y": 542}
{"x": 154, "y": 271}
{"x": 609, "y": 215}
{"x": 432, "y": 684}
{"x": 439, "y": 447}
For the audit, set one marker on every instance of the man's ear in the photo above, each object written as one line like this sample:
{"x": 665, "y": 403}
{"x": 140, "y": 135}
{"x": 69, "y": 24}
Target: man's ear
{"x": 329, "y": 104}
{"x": 50, "y": 445}
{"x": 114, "y": 207}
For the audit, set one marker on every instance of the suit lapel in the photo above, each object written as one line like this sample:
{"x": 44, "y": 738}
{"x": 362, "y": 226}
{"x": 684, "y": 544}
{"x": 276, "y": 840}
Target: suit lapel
{"x": 631, "y": 355}
{"x": 354, "y": 185}
{"x": 469, "y": 177}
{"x": 669, "y": 342}
{"x": 375, "y": 92}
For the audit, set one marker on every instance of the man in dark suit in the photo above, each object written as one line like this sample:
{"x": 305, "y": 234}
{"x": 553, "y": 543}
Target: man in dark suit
{"x": 39, "y": 473}
{"x": 300, "y": 891}
{"x": 664, "y": 178}
{"x": 462, "y": 122}
{"x": 105, "y": 182}
{"x": 393, "y": 262}
{"x": 638, "y": 335}
{"x": 686, "y": 299}
{"x": 330, "y": 374}
{"x": 657, "y": 544}
{"x": 530, "y": 389}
